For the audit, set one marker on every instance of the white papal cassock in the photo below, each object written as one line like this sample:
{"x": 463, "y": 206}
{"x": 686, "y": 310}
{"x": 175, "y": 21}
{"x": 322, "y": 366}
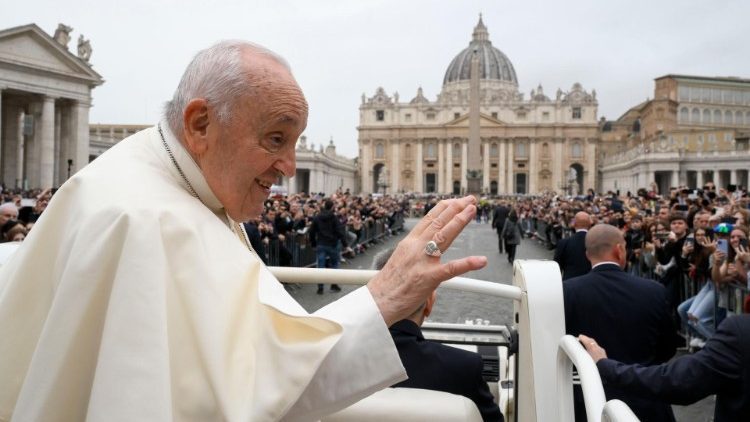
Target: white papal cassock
{"x": 132, "y": 300}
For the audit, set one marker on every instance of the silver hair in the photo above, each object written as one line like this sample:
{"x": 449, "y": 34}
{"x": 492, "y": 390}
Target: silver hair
{"x": 218, "y": 75}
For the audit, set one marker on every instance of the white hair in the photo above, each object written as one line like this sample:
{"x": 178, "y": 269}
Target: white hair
{"x": 9, "y": 206}
{"x": 218, "y": 75}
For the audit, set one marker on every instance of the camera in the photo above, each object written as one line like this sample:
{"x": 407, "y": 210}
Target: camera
{"x": 662, "y": 235}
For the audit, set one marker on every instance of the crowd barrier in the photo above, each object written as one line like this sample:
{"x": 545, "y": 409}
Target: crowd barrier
{"x": 296, "y": 250}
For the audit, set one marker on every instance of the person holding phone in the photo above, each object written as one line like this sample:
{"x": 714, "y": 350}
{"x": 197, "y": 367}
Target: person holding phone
{"x": 725, "y": 267}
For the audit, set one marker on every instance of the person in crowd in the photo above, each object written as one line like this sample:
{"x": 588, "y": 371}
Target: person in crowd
{"x": 669, "y": 256}
{"x": 434, "y": 366}
{"x": 627, "y": 314}
{"x": 511, "y": 234}
{"x": 722, "y": 368}
{"x": 570, "y": 253}
{"x": 726, "y": 269}
{"x": 8, "y": 211}
{"x": 499, "y": 215}
{"x": 152, "y": 305}
{"x": 326, "y": 236}
{"x": 697, "y": 312}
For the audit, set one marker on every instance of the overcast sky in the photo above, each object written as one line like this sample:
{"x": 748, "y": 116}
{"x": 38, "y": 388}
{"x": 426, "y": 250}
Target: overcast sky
{"x": 340, "y": 49}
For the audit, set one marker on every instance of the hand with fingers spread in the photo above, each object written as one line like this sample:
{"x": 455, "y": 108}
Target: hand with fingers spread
{"x": 415, "y": 269}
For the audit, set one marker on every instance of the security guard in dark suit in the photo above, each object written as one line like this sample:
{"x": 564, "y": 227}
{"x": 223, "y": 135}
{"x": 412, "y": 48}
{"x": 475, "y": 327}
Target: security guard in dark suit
{"x": 570, "y": 253}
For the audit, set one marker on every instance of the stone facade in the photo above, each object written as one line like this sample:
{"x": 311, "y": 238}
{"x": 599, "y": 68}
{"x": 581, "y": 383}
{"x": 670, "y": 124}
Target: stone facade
{"x": 321, "y": 171}
{"x": 695, "y": 130}
{"x": 45, "y": 96}
{"x": 522, "y": 145}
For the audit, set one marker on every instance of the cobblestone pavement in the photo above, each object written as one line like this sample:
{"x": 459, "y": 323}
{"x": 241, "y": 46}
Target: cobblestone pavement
{"x": 454, "y": 306}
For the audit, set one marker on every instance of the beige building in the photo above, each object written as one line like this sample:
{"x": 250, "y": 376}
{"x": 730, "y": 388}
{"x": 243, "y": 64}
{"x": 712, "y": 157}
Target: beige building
{"x": 695, "y": 130}
{"x": 480, "y": 134}
{"x": 45, "y": 96}
{"x": 321, "y": 170}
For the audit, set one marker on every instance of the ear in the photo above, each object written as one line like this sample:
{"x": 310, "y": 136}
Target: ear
{"x": 196, "y": 124}
{"x": 429, "y": 304}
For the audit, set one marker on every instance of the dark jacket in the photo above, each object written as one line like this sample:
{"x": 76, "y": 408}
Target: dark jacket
{"x": 499, "y": 215}
{"x": 434, "y": 366}
{"x": 722, "y": 367}
{"x": 570, "y": 255}
{"x": 511, "y": 232}
{"x": 629, "y": 317}
{"x": 327, "y": 230}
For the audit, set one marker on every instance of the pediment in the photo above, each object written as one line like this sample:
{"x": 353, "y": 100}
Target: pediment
{"x": 30, "y": 47}
{"x": 484, "y": 121}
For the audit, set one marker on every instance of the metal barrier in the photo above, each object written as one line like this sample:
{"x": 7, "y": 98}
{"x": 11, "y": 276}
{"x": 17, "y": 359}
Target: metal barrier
{"x": 296, "y": 250}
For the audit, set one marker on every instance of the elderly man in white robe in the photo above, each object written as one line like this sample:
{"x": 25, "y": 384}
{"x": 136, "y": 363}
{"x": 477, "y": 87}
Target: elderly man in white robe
{"x": 137, "y": 296}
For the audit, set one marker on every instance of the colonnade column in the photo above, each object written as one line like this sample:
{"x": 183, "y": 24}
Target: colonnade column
{"x": 20, "y": 150}
{"x": 419, "y": 177}
{"x": 733, "y": 177}
{"x": 80, "y": 140}
{"x": 464, "y": 165}
{"x": 558, "y": 173}
{"x": 699, "y": 179}
{"x": 591, "y": 164}
{"x": 533, "y": 160}
{"x": 509, "y": 169}
{"x": 46, "y": 139}
{"x": 675, "y": 178}
{"x": 366, "y": 166}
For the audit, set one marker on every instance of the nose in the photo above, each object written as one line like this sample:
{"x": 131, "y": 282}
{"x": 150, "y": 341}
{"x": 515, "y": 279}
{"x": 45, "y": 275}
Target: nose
{"x": 287, "y": 163}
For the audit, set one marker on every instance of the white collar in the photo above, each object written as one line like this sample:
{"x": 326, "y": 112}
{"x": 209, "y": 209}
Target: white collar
{"x": 192, "y": 172}
{"x": 605, "y": 263}
{"x": 582, "y": 230}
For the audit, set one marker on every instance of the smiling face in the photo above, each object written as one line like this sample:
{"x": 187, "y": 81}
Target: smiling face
{"x": 243, "y": 157}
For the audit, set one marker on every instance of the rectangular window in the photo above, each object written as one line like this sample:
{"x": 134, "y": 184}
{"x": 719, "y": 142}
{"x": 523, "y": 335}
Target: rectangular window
{"x": 456, "y": 115}
{"x": 521, "y": 115}
{"x": 576, "y": 112}
{"x": 493, "y": 165}
{"x": 407, "y": 117}
{"x": 683, "y": 93}
{"x": 430, "y": 116}
{"x": 545, "y": 116}
{"x": 456, "y": 165}
{"x": 494, "y": 114}
{"x": 380, "y": 115}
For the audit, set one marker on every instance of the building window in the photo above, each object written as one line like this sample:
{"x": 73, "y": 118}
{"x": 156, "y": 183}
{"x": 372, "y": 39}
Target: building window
{"x": 576, "y": 112}
{"x": 380, "y": 115}
{"x": 456, "y": 150}
{"x": 545, "y": 150}
{"x": 683, "y": 93}
{"x": 695, "y": 94}
{"x": 737, "y": 97}
{"x": 456, "y": 165}
{"x": 493, "y": 165}
{"x": 684, "y": 115}
{"x": 456, "y": 115}
{"x": 738, "y": 118}
{"x": 728, "y": 120}
{"x": 545, "y": 116}
{"x": 576, "y": 151}
{"x": 493, "y": 151}
{"x": 717, "y": 116}
{"x": 521, "y": 115}
{"x": 521, "y": 150}
{"x": 379, "y": 151}
{"x": 706, "y": 116}
{"x": 727, "y": 136}
{"x": 695, "y": 118}
{"x": 747, "y": 118}
{"x": 716, "y": 95}
{"x": 741, "y": 145}
{"x": 494, "y": 114}
{"x": 430, "y": 150}
{"x": 407, "y": 117}
{"x": 407, "y": 151}
{"x": 430, "y": 116}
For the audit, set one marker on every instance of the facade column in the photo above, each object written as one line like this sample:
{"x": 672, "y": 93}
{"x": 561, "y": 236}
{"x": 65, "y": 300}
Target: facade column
{"x": 57, "y": 159}
{"x": 20, "y": 154}
{"x": 509, "y": 169}
{"x": 733, "y": 177}
{"x": 675, "y": 178}
{"x": 464, "y": 165}
{"x": 441, "y": 167}
{"x": 591, "y": 164}
{"x": 46, "y": 139}
{"x": 79, "y": 151}
{"x": 699, "y": 179}
{"x": 396, "y": 163}
{"x": 366, "y": 167}
{"x": 449, "y": 167}
{"x": 486, "y": 167}
{"x": 419, "y": 177}
{"x": 501, "y": 162}
{"x": 533, "y": 161}
{"x": 558, "y": 173}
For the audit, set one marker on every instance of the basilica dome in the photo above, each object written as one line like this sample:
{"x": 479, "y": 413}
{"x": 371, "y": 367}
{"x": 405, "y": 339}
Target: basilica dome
{"x": 493, "y": 63}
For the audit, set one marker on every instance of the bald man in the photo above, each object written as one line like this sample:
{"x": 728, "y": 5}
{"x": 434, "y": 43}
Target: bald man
{"x": 570, "y": 253}
{"x": 627, "y": 315}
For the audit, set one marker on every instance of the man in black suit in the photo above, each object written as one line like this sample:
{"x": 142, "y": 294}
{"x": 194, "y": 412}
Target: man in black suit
{"x": 434, "y": 366}
{"x": 722, "y": 367}
{"x": 499, "y": 215}
{"x": 629, "y": 315}
{"x": 570, "y": 253}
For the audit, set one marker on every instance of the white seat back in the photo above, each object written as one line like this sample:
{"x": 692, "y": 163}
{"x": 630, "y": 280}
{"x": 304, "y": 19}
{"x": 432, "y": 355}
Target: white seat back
{"x": 409, "y": 404}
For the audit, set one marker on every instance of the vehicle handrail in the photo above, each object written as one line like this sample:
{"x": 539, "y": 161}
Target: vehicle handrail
{"x": 617, "y": 411}
{"x": 361, "y": 277}
{"x": 570, "y": 353}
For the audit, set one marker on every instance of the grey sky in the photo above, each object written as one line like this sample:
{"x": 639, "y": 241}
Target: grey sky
{"x": 340, "y": 49}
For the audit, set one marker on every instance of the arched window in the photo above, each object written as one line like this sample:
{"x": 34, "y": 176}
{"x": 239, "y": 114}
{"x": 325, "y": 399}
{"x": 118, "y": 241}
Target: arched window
{"x": 706, "y": 115}
{"x": 493, "y": 150}
{"x": 738, "y": 118}
{"x": 695, "y": 116}
{"x": 684, "y": 115}
{"x": 545, "y": 150}
{"x": 407, "y": 151}
{"x": 717, "y": 116}
{"x": 575, "y": 150}
{"x": 379, "y": 151}
{"x": 456, "y": 150}
{"x": 728, "y": 120}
